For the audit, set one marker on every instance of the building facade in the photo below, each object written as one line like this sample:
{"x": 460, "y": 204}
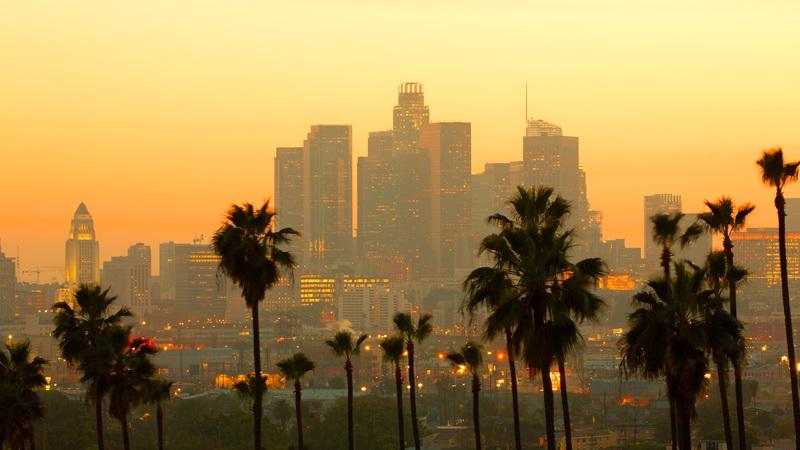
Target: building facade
{"x": 82, "y": 262}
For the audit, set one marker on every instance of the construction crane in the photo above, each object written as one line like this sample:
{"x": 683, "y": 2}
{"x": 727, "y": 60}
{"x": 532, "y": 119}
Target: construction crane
{"x": 39, "y": 269}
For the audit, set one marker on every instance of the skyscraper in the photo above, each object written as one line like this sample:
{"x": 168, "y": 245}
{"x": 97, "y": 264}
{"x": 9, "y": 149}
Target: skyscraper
{"x": 656, "y": 204}
{"x": 449, "y": 149}
{"x": 191, "y": 272}
{"x": 8, "y": 283}
{"x": 82, "y": 265}
{"x": 128, "y": 277}
{"x": 491, "y": 191}
{"x": 410, "y": 115}
{"x": 328, "y": 195}
{"x": 289, "y": 187}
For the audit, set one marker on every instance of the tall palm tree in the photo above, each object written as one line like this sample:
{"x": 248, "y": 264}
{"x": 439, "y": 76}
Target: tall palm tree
{"x": 777, "y": 173}
{"x": 343, "y": 345}
{"x": 413, "y": 334}
{"x": 293, "y": 368}
{"x": 131, "y": 371}
{"x": 470, "y": 358}
{"x": 667, "y": 338}
{"x": 724, "y": 218}
{"x": 83, "y": 338}
{"x": 20, "y": 406}
{"x": 491, "y": 288}
{"x": 532, "y": 249}
{"x": 157, "y": 391}
{"x": 393, "y": 347}
{"x": 249, "y": 252}
{"x": 666, "y": 232}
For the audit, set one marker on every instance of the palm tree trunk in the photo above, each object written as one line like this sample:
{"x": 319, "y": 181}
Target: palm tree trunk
{"x": 562, "y": 372}
{"x": 33, "y": 438}
{"x": 673, "y": 424}
{"x": 98, "y": 417}
{"x": 126, "y": 440}
{"x": 412, "y": 381}
{"x": 160, "y": 423}
{"x": 351, "y": 430}
{"x": 512, "y": 370}
{"x": 398, "y": 383}
{"x": 298, "y": 413}
{"x": 549, "y": 408}
{"x": 476, "y": 416}
{"x": 737, "y": 370}
{"x": 685, "y": 427}
{"x": 257, "y": 367}
{"x": 787, "y": 314}
{"x": 726, "y": 414}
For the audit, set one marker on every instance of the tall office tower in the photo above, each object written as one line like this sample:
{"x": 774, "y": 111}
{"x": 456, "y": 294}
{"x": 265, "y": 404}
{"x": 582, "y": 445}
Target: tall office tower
{"x": 449, "y": 147}
{"x": 377, "y": 209}
{"x": 491, "y": 191}
{"x": 82, "y": 263}
{"x": 368, "y": 303}
{"x": 128, "y": 278}
{"x": 410, "y": 115}
{"x": 328, "y": 196}
{"x": 8, "y": 284}
{"x": 756, "y": 251}
{"x": 793, "y": 215}
{"x": 413, "y": 233}
{"x": 289, "y": 187}
{"x": 191, "y": 272}
{"x": 656, "y": 204}
{"x": 696, "y": 252}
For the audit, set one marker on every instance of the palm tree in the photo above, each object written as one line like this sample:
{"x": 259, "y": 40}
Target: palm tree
{"x": 413, "y": 333}
{"x": 20, "y": 406}
{"x": 724, "y": 218}
{"x": 777, "y": 173}
{"x": 157, "y": 391}
{"x": 724, "y": 331}
{"x": 491, "y": 288}
{"x": 83, "y": 338}
{"x": 667, "y": 338}
{"x": 293, "y": 368}
{"x": 666, "y": 233}
{"x": 250, "y": 255}
{"x": 470, "y": 358}
{"x": 343, "y": 345}
{"x": 131, "y": 371}
{"x": 393, "y": 347}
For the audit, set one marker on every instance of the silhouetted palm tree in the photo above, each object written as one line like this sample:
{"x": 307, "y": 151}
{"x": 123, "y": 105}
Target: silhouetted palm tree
{"x": 250, "y": 255}
{"x": 131, "y": 371}
{"x": 470, "y": 358}
{"x": 724, "y": 218}
{"x": 667, "y": 338}
{"x": 413, "y": 333}
{"x": 157, "y": 391}
{"x": 343, "y": 345}
{"x": 83, "y": 337}
{"x": 777, "y": 173}
{"x": 20, "y": 406}
{"x": 293, "y": 368}
{"x": 491, "y": 288}
{"x": 393, "y": 347}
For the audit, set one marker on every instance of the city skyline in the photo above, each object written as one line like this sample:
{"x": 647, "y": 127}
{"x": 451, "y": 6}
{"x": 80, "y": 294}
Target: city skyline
{"x": 145, "y": 138}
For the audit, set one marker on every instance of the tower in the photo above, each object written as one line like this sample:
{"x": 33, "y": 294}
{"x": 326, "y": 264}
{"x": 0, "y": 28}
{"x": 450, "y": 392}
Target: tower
{"x": 82, "y": 264}
{"x": 410, "y": 115}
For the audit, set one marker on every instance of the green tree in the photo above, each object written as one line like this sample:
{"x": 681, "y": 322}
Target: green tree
{"x": 294, "y": 368}
{"x": 20, "y": 405}
{"x": 667, "y": 338}
{"x": 413, "y": 334}
{"x": 470, "y": 358}
{"x": 724, "y": 218}
{"x": 131, "y": 370}
{"x": 392, "y": 347}
{"x": 250, "y": 255}
{"x": 777, "y": 173}
{"x": 156, "y": 392}
{"x": 344, "y": 346}
{"x": 83, "y": 338}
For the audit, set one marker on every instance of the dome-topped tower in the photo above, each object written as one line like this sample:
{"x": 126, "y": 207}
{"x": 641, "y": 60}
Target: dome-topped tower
{"x": 82, "y": 264}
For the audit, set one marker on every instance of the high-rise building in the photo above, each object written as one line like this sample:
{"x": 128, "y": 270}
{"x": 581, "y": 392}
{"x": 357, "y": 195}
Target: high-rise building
{"x": 191, "y": 281}
{"x": 82, "y": 265}
{"x": 793, "y": 215}
{"x": 656, "y": 204}
{"x": 756, "y": 250}
{"x": 491, "y": 191}
{"x": 328, "y": 195}
{"x": 368, "y": 303}
{"x": 128, "y": 278}
{"x": 289, "y": 187}
{"x": 410, "y": 115}
{"x": 449, "y": 149}
{"x": 8, "y": 283}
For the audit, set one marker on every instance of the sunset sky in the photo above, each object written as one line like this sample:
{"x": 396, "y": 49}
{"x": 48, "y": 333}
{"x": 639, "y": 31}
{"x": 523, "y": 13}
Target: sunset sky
{"x": 160, "y": 113}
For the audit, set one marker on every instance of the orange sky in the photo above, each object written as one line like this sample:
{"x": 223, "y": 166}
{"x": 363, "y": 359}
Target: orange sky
{"x": 160, "y": 113}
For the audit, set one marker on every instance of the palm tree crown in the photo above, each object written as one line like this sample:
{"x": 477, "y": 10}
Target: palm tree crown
{"x": 343, "y": 344}
{"x": 296, "y": 366}
{"x": 20, "y": 406}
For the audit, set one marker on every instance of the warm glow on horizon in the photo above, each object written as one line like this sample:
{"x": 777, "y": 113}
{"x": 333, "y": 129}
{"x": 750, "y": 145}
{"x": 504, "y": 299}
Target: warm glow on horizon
{"x": 160, "y": 114}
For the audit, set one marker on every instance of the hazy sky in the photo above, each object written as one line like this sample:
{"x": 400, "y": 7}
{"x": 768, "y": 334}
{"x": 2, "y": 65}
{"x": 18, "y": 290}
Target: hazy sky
{"x": 160, "y": 113}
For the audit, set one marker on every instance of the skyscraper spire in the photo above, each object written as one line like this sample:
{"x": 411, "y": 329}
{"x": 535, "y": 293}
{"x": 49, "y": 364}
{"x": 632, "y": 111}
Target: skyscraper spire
{"x": 82, "y": 262}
